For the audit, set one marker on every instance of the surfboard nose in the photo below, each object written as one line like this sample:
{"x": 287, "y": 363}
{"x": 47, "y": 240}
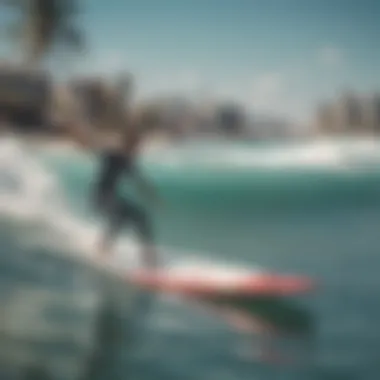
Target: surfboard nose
{"x": 274, "y": 284}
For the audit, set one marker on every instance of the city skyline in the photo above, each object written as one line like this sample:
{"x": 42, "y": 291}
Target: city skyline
{"x": 273, "y": 56}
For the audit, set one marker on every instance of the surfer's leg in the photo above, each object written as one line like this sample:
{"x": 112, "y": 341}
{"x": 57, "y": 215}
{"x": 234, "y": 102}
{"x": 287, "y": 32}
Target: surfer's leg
{"x": 114, "y": 223}
{"x": 143, "y": 225}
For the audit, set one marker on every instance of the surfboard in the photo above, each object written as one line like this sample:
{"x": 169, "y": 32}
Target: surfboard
{"x": 203, "y": 283}
{"x": 258, "y": 284}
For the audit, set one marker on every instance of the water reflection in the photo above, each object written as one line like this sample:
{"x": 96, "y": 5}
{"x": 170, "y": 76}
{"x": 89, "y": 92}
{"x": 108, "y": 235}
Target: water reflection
{"x": 59, "y": 319}
{"x": 65, "y": 321}
{"x": 279, "y": 330}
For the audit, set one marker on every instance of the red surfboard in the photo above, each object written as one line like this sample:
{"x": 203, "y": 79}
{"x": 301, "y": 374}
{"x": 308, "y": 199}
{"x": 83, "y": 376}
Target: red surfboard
{"x": 257, "y": 284}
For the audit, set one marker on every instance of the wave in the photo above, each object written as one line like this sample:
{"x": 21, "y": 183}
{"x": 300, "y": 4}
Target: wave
{"x": 33, "y": 195}
{"x": 33, "y": 192}
{"x": 322, "y": 154}
{"x": 235, "y": 177}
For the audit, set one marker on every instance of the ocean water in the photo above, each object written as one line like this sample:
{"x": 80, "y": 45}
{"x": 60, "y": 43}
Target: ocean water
{"x": 309, "y": 208}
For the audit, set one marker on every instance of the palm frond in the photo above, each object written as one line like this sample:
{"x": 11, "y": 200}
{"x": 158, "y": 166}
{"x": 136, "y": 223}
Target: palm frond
{"x": 12, "y": 3}
{"x": 45, "y": 24}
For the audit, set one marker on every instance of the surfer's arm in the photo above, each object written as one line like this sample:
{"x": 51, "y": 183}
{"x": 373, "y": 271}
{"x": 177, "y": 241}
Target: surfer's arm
{"x": 83, "y": 135}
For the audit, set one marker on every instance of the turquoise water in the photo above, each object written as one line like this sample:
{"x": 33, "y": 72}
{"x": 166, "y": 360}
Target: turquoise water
{"x": 308, "y": 208}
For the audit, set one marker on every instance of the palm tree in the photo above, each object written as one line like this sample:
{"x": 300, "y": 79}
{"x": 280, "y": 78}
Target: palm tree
{"x": 44, "y": 25}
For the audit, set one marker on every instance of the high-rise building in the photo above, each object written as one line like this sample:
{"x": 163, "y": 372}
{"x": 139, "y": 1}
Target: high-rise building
{"x": 376, "y": 110}
{"x": 349, "y": 113}
{"x": 25, "y": 97}
{"x": 230, "y": 119}
{"x": 90, "y": 94}
{"x": 372, "y": 113}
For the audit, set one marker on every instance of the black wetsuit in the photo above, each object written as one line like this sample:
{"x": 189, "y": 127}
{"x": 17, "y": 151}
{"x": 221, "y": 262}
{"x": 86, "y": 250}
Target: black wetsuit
{"x": 118, "y": 210}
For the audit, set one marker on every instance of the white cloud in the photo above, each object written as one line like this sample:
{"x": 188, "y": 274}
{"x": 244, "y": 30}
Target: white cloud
{"x": 330, "y": 56}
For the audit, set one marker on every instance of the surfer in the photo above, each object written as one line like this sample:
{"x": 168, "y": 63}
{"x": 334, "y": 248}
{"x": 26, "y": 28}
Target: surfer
{"x": 117, "y": 152}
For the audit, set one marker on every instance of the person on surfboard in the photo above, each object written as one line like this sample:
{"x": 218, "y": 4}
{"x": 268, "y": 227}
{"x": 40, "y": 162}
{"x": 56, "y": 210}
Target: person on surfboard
{"x": 117, "y": 152}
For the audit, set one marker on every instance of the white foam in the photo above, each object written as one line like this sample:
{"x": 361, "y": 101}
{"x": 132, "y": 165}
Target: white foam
{"x": 323, "y": 153}
{"x": 32, "y": 194}
{"x": 328, "y": 154}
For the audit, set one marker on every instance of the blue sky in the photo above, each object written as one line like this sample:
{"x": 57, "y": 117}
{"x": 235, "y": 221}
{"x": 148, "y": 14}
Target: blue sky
{"x": 278, "y": 56}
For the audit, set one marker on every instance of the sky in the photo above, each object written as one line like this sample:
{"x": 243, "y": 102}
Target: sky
{"x": 273, "y": 56}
